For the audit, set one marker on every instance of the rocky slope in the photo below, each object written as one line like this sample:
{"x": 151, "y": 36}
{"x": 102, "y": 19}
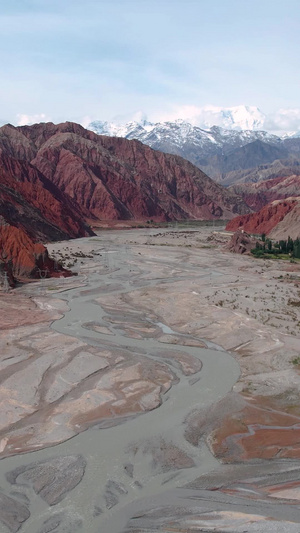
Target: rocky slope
{"x": 240, "y": 243}
{"x": 280, "y": 218}
{"x": 288, "y": 226}
{"x": 113, "y": 178}
{"x": 28, "y": 200}
{"x": 256, "y": 195}
{"x": 276, "y": 169}
{"x": 22, "y": 258}
{"x": 224, "y": 168}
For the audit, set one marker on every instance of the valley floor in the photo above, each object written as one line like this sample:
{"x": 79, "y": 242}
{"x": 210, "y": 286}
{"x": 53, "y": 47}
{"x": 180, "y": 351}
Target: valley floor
{"x": 143, "y": 330}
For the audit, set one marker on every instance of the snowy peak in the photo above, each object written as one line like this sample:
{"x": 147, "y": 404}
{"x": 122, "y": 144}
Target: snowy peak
{"x": 181, "y": 137}
{"x": 236, "y": 118}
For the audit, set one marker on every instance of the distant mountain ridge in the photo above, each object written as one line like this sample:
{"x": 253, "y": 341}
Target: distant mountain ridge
{"x": 181, "y": 137}
{"x": 222, "y": 154}
{"x": 257, "y": 195}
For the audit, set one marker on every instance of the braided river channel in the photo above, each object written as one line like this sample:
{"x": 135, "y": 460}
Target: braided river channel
{"x": 119, "y": 478}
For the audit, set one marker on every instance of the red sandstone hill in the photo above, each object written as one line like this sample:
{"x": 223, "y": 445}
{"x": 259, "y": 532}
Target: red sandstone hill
{"x": 278, "y": 219}
{"x": 31, "y": 202}
{"x": 55, "y": 178}
{"x": 261, "y": 193}
{"x": 21, "y": 257}
{"x": 114, "y": 178}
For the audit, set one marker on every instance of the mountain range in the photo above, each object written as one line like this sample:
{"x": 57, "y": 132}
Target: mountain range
{"x": 282, "y": 122}
{"x": 55, "y": 180}
{"x": 58, "y": 180}
{"x": 227, "y": 156}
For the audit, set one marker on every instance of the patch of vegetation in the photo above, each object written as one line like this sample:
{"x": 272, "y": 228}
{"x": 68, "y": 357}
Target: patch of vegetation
{"x": 284, "y": 249}
{"x": 296, "y": 361}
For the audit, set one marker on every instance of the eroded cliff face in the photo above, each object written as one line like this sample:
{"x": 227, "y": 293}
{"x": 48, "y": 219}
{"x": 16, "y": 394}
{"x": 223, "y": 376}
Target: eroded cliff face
{"x": 31, "y": 202}
{"x": 111, "y": 178}
{"x": 265, "y": 220}
{"x": 22, "y": 258}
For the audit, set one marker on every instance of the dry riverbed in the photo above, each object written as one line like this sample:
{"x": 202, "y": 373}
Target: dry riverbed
{"x": 144, "y": 303}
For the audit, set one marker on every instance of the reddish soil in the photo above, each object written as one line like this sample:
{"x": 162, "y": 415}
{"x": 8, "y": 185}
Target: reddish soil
{"x": 259, "y": 431}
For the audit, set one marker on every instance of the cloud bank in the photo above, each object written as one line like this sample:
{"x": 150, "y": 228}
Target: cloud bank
{"x": 23, "y": 119}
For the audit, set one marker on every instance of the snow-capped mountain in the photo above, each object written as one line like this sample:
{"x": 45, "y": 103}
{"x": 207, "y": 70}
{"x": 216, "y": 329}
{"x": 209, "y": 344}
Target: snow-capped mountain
{"x": 224, "y": 154}
{"x": 182, "y": 138}
{"x": 194, "y": 122}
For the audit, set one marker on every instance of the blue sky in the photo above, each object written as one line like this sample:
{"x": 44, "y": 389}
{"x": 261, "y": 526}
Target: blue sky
{"x": 101, "y": 59}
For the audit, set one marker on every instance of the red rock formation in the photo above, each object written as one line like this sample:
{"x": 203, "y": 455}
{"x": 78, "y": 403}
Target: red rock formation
{"x": 265, "y": 220}
{"x": 113, "y": 178}
{"x": 29, "y": 259}
{"x": 29, "y": 201}
{"x": 257, "y": 195}
{"x": 241, "y": 243}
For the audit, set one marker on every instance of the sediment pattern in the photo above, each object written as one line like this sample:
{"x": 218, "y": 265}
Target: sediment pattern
{"x": 124, "y": 382}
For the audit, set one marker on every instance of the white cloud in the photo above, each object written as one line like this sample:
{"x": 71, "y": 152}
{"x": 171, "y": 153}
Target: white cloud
{"x": 280, "y": 122}
{"x": 24, "y": 120}
{"x": 283, "y": 121}
{"x": 85, "y": 121}
{"x": 135, "y": 116}
{"x": 236, "y": 117}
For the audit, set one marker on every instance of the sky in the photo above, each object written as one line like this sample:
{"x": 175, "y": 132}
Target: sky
{"x": 111, "y": 59}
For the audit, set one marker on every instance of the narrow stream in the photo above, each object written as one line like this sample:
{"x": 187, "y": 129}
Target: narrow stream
{"x": 109, "y": 450}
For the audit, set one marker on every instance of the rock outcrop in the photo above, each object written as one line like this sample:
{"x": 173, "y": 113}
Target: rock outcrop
{"x": 257, "y": 195}
{"x": 241, "y": 243}
{"x": 22, "y": 258}
{"x": 268, "y": 218}
{"x": 29, "y": 201}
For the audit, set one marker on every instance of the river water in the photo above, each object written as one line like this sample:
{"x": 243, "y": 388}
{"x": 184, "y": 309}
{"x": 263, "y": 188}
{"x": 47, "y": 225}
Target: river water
{"x": 108, "y": 451}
